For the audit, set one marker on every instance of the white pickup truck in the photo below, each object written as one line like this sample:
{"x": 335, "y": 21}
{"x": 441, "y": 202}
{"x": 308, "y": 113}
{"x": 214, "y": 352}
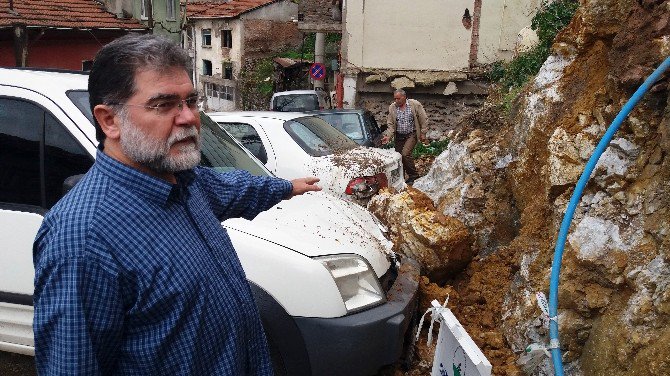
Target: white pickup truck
{"x": 334, "y": 298}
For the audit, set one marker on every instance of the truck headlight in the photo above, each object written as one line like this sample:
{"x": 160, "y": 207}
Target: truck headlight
{"x": 356, "y": 280}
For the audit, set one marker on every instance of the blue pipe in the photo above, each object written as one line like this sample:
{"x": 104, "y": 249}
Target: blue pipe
{"x": 574, "y": 200}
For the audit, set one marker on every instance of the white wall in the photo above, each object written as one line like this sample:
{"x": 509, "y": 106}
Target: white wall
{"x": 429, "y": 34}
{"x": 501, "y": 22}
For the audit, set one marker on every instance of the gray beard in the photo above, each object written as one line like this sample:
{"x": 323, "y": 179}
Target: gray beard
{"x": 155, "y": 154}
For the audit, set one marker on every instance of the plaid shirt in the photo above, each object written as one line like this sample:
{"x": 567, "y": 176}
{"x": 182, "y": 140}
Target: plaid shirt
{"x": 404, "y": 120}
{"x": 136, "y": 276}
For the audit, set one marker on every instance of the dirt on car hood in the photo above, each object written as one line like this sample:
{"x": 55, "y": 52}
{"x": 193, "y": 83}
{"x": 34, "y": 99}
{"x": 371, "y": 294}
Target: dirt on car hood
{"x": 318, "y": 224}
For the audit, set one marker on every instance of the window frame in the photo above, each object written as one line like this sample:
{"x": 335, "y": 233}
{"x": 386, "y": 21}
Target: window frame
{"x": 170, "y": 10}
{"x": 143, "y": 9}
{"x": 206, "y": 36}
{"x": 207, "y": 66}
{"x": 226, "y": 38}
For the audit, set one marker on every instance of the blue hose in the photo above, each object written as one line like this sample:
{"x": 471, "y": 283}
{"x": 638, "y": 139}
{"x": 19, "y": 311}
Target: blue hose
{"x": 574, "y": 200}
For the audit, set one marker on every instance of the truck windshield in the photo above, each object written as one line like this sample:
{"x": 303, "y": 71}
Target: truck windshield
{"x": 219, "y": 150}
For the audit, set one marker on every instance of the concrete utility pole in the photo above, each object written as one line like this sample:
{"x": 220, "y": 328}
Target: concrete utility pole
{"x": 319, "y": 52}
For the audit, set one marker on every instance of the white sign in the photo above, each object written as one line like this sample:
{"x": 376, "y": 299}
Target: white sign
{"x": 456, "y": 353}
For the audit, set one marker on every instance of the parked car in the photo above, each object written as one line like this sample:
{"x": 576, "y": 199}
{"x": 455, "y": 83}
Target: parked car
{"x": 333, "y": 297}
{"x": 358, "y": 124}
{"x": 295, "y": 144}
{"x": 300, "y": 100}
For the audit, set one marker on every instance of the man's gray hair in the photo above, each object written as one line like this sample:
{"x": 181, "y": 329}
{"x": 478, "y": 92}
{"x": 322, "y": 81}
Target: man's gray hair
{"x": 112, "y": 77}
{"x": 401, "y": 92}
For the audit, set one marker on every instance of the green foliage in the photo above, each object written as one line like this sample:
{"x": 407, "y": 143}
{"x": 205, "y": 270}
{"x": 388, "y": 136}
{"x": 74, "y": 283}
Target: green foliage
{"x": 420, "y": 150}
{"x": 547, "y": 23}
{"x": 263, "y": 76}
{"x": 553, "y": 19}
{"x": 433, "y": 149}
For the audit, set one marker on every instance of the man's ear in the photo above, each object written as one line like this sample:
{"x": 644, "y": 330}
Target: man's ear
{"x": 106, "y": 117}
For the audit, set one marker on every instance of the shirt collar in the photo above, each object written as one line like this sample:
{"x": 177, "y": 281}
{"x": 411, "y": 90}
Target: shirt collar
{"x": 153, "y": 188}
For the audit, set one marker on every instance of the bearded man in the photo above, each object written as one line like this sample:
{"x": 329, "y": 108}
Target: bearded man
{"x": 134, "y": 274}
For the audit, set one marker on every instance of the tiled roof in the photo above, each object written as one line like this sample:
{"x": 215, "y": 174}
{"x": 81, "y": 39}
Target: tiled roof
{"x": 222, "y": 8}
{"x": 73, "y": 14}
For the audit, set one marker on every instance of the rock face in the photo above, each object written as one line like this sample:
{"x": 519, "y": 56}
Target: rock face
{"x": 509, "y": 181}
{"x": 441, "y": 244}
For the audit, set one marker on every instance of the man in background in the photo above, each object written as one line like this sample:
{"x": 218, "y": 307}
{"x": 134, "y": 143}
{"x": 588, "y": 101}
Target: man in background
{"x": 407, "y": 124}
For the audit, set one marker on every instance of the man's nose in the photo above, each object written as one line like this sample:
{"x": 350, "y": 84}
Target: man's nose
{"x": 187, "y": 116}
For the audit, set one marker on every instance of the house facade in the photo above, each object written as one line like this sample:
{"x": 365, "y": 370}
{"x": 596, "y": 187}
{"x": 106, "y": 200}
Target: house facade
{"x": 63, "y": 34}
{"x": 162, "y": 17}
{"x": 436, "y": 51}
{"x": 223, "y": 36}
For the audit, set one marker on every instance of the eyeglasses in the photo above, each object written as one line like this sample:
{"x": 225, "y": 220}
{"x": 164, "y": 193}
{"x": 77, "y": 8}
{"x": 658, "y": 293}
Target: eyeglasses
{"x": 168, "y": 106}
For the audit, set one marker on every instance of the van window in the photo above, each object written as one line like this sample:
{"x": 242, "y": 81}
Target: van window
{"x": 31, "y": 139}
{"x": 20, "y": 135}
{"x": 295, "y": 102}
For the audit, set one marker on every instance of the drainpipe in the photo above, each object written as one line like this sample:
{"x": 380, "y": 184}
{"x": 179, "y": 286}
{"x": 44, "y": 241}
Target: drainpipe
{"x": 474, "y": 42}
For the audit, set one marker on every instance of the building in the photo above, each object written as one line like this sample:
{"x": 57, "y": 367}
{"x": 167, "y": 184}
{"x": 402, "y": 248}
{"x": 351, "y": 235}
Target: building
{"x": 434, "y": 49}
{"x": 224, "y": 37}
{"x": 57, "y": 34}
{"x": 161, "y": 16}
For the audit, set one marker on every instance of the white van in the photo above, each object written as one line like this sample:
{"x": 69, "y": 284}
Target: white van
{"x": 334, "y": 299}
{"x": 300, "y": 100}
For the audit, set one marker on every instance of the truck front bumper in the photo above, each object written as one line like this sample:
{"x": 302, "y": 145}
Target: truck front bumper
{"x": 363, "y": 342}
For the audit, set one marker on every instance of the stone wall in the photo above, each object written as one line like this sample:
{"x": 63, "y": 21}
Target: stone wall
{"x": 444, "y": 112}
{"x": 319, "y": 15}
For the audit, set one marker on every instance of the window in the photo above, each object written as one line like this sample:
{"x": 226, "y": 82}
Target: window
{"x": 63, "y": 157}
{"x": 248, "y": 137}
{"x": 207, "y": 37}
{"x": 206, "y": 67}
{"x": 170, "y": 9}
{"x": 228, "y": 70}
{"x": 227, "y": 93}
{"x": 146, "y": 9}
{"x": 347, "y": 123}
{"x": 23, "y": 125}
{"x": 316, "y": 137}
{"x": 227, "y": 39}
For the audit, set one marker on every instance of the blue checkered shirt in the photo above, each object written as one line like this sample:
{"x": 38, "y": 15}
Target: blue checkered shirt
{"x": 136, "y": 276}
{"x": 404, "y": 120}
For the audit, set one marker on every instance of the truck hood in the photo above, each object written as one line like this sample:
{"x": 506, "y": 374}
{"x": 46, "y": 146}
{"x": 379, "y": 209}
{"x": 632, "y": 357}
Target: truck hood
{"x": 318, "y": 224}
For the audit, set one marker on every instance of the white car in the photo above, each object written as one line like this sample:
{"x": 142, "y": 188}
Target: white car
{"x": 294, "y": 144}
{"x": 333, "y": 298}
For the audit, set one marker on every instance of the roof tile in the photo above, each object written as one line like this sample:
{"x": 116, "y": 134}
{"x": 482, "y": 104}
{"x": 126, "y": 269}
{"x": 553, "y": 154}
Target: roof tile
{"x": 222, "y": 8}
{"x": 75, "y": 14}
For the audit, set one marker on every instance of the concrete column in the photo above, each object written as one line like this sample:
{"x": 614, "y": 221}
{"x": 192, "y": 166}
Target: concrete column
{"x": 319, "y": 54}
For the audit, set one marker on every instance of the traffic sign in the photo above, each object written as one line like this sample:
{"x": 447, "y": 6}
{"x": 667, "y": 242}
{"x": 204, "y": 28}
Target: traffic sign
{"x": 317, "y": 71}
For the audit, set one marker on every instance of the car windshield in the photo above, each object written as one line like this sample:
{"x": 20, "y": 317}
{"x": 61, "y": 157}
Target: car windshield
{"x": 219, "y": 150}
{"x": 316, "y": 137}
{"x": 347, "y": 123}
{"x": 296, "y": 102}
